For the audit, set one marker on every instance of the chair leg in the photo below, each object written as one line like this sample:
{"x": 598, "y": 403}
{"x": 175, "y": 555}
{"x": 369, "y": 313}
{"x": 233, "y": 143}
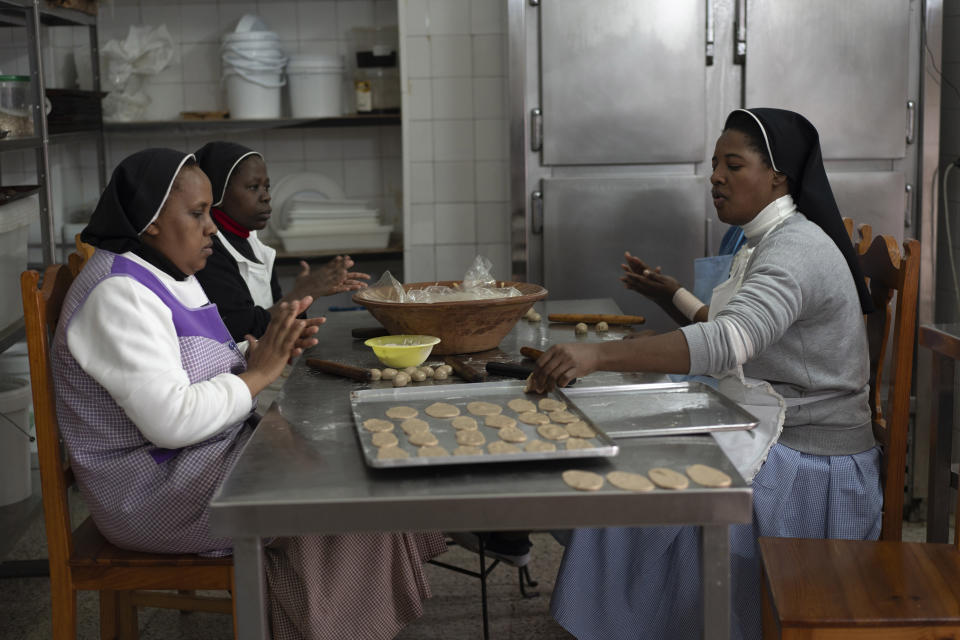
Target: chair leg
{"x": 127, "y": 619}
{"x": 770, "y": 627}
{"x": 483, "y": 589}
{"x": 523, "y": 575}
{"x": 63, "y": 605}
{"x": 233, "y": 600}
{"x": 108, "y": 615}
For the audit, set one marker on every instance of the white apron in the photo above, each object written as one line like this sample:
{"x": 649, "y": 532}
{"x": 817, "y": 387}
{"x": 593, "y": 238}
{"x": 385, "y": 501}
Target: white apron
{"x": 748, "y": 450}
{"x": 256, "y": 275}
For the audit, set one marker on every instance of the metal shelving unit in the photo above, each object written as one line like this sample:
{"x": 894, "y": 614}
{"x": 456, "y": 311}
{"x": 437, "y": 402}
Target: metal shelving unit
{"x": 31, "y": 15}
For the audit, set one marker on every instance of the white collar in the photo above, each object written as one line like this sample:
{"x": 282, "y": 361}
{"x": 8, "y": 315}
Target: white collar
{"x": 771, "y": 216}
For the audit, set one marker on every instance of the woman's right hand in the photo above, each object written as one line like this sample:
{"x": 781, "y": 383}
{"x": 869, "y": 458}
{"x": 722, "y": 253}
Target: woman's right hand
{"x": 267, "y": 356}
{"x": 650, "y": 282}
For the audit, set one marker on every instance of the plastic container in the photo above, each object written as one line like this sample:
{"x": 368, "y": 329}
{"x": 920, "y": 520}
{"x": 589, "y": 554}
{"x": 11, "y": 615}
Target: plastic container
{"x": 15, "y": 106}
{"x": 377, "y": 90}
{"x": 253, "y": 95}
{"x": 402, "y": 351}
{"x": 252, "y": 64}
{"x": 15, "y": 219}
{"x": 15, "y": 401}
{"x": 316, "y": 86}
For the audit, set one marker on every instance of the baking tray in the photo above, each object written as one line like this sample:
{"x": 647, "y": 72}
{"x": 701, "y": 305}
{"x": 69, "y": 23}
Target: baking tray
{"x": 373, "y": 403}
{"x": 657, "y": 409}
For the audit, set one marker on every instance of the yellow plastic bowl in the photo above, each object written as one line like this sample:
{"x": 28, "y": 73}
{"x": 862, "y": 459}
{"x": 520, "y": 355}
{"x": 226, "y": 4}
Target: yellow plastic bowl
{"x": 402, "y": 351}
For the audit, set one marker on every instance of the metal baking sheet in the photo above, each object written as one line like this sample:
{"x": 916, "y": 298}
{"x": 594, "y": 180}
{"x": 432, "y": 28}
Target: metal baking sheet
{"x": 373, "y": 403}
{"x": 667, "y": 408}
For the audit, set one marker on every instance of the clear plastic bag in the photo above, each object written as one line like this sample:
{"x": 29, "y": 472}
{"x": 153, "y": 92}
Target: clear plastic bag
{"x": 146, "y": 51}
{"x": 478, "y": 284}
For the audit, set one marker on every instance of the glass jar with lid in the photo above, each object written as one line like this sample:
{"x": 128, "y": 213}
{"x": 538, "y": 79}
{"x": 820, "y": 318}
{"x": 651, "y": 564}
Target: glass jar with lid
{"x": 16, "y": 117}
{"x": 377, "y": 89}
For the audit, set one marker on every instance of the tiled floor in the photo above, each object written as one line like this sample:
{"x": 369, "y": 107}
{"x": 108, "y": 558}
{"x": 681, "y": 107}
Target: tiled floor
{"x": 452, "y": 613}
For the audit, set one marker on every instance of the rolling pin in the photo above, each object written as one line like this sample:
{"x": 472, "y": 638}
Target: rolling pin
{"x": 530, "y": 352}
{"x": 591, "y": 318}
{"x": 339, "y": 369}
{"x": 464, "y": 370}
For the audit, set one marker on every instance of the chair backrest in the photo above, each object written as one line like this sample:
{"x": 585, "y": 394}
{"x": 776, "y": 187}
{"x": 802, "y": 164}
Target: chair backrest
{"x": 889, "y": 272}
{"x": 78, "y": 258}
{"x": 41, "y": 310}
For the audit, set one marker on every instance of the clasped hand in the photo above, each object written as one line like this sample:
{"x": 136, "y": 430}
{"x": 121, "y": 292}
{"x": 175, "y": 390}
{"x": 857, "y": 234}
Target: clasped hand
{"x": 333, "y": 277}
{"x": 285, "y": 338}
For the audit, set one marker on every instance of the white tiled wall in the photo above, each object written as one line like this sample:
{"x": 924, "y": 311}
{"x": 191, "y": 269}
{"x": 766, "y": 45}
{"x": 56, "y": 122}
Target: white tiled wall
{"x": 366, "y": 161}
{"x": 455, "y": 136}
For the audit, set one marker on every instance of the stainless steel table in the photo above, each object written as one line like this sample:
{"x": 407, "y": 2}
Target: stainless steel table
{"x": 302, "y": 473}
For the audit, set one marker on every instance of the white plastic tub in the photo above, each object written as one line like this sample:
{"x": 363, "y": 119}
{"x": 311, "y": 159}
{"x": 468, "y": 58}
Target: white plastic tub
{"x": 316, "y": 86}
{"x": 253, "y": 94}
{"x": 15, "y": 219}
{"x": 308, "y": 237}
{"x": 15, "y": 399}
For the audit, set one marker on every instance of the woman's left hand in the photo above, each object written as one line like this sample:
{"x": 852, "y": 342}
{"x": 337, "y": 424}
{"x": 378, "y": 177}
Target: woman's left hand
{"x": 562, "y": 363}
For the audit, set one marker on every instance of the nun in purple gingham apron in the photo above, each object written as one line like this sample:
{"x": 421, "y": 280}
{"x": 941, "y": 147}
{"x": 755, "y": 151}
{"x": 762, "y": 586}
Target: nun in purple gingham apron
{"x": 149, "y": 446}
{"x": 821, "y": 479}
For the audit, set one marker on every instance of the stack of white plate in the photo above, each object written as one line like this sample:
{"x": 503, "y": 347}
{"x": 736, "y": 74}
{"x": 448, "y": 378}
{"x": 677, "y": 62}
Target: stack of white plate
{"x": 311, "y": 213}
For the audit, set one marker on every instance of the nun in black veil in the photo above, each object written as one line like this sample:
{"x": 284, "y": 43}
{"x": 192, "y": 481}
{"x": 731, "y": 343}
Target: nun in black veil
{"x": 784, "y": 335}
{"x": 155, "y": 401}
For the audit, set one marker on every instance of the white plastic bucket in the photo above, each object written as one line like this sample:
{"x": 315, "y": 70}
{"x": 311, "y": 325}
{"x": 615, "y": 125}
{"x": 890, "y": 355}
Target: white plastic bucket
{"x": 14, "y": 442}
{"x": 253, "y": 94}
{"x": 316, "y": 86}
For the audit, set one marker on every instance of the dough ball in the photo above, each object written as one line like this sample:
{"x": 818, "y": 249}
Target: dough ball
{"x": 442, "y": 410}
{"x": 447, "y": 368}
{"x": 464, "y": 423}
{"x": 427, "y": 371}
{"x": 418, "y": 376}
{"x": 385, "y": 439}
{"x": 440, "y": 374}
{"x": 602, "y": 327}
{"x": 401, "y": 379}
{"x": 580, "y": 329}
{"x": 388, "y": 373}
{"x": 423, "y": 439}
{"x": 409, "y": 370}
{"x": 629, "y": 481}
{"x": 377, "y": 424}
{"x": 583, "y": 480}
{"x": 392, "y": 453}
{"x": 375, "y": 374}
{"x": 402, "y": 412}
{"x": 708, "y": 476}
{"x": 539, "y": 446}
{"x": 668, "y": 478}
{"x": 534, "y": 317}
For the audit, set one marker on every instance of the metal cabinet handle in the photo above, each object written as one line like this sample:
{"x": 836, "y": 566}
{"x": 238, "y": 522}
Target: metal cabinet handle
{"x": 711, "y": 35}
{"x": 908, "y": 209}
{"x": 536, "y": 213}
{"x": 911, "y": 121}
{"x": 536, "y": 129}
{"x": 740, "y": 53}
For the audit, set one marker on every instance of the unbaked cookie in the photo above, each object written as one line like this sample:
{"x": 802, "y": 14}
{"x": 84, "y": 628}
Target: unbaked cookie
{"x": 522, "y": 405}
{"x": 402, "y": 412}
{"x": 385, "y": 439}
{"x": 532, "y": 417}
{"x": 512, "y": 434}
{"x": 432, "y": 451}
{"x": 630, "y": 481}
{"x": 708, "y": 476}
{"x": 562, "y": 417}
{"x": 580, "y": 429}
{"x": 472, "y": 438}
{"x": 578, "y": 443}
{"x": 484, "y": 408}
{"x": 414, "y": 425}
{"x": 442, "y": 410}
{"x": 668, "y": 478}
{"x": 377, "y": 424}
{"x": 583, "y": 480}
{"x": 464, "y": 450}
{"x": 391, "y": 453}
{"x": 536, "y": 446}
{"x": 423, "y": 439}
{"x": 553, "y": 432}
{"x": 499, "y": 446}
{"x": 499, "y": 421}
{"x": 464, "y": 423}
{"x": 550, "y": 404}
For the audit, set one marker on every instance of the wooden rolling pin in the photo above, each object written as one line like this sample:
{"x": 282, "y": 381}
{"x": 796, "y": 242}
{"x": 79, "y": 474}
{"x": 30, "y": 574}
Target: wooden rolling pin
{"x": 530, "y": 352}
{"x": 591, "y": 318}
{"x": 339, "y": 369}
{"x": 464, "y": 370}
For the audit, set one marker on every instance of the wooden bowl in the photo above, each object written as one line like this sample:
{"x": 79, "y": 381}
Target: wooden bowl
{"x": 464, "y": 326}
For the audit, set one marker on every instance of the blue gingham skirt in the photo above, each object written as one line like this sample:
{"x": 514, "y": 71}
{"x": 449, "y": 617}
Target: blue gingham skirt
{"x": 633, "y": 583}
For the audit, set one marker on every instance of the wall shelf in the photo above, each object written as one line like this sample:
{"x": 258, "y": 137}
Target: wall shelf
{"x": 219, "y": 126}
{"x": 393, "y": 251}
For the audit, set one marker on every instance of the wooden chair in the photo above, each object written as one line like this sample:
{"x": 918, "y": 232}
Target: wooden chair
{"x": 851, "y": 589}
{"x": 78, "y": 258}
{"x": 81, "y": 559}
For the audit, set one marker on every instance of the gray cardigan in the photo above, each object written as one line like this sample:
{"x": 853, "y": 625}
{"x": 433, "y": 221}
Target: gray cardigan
{"x": 798, "y": 305}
